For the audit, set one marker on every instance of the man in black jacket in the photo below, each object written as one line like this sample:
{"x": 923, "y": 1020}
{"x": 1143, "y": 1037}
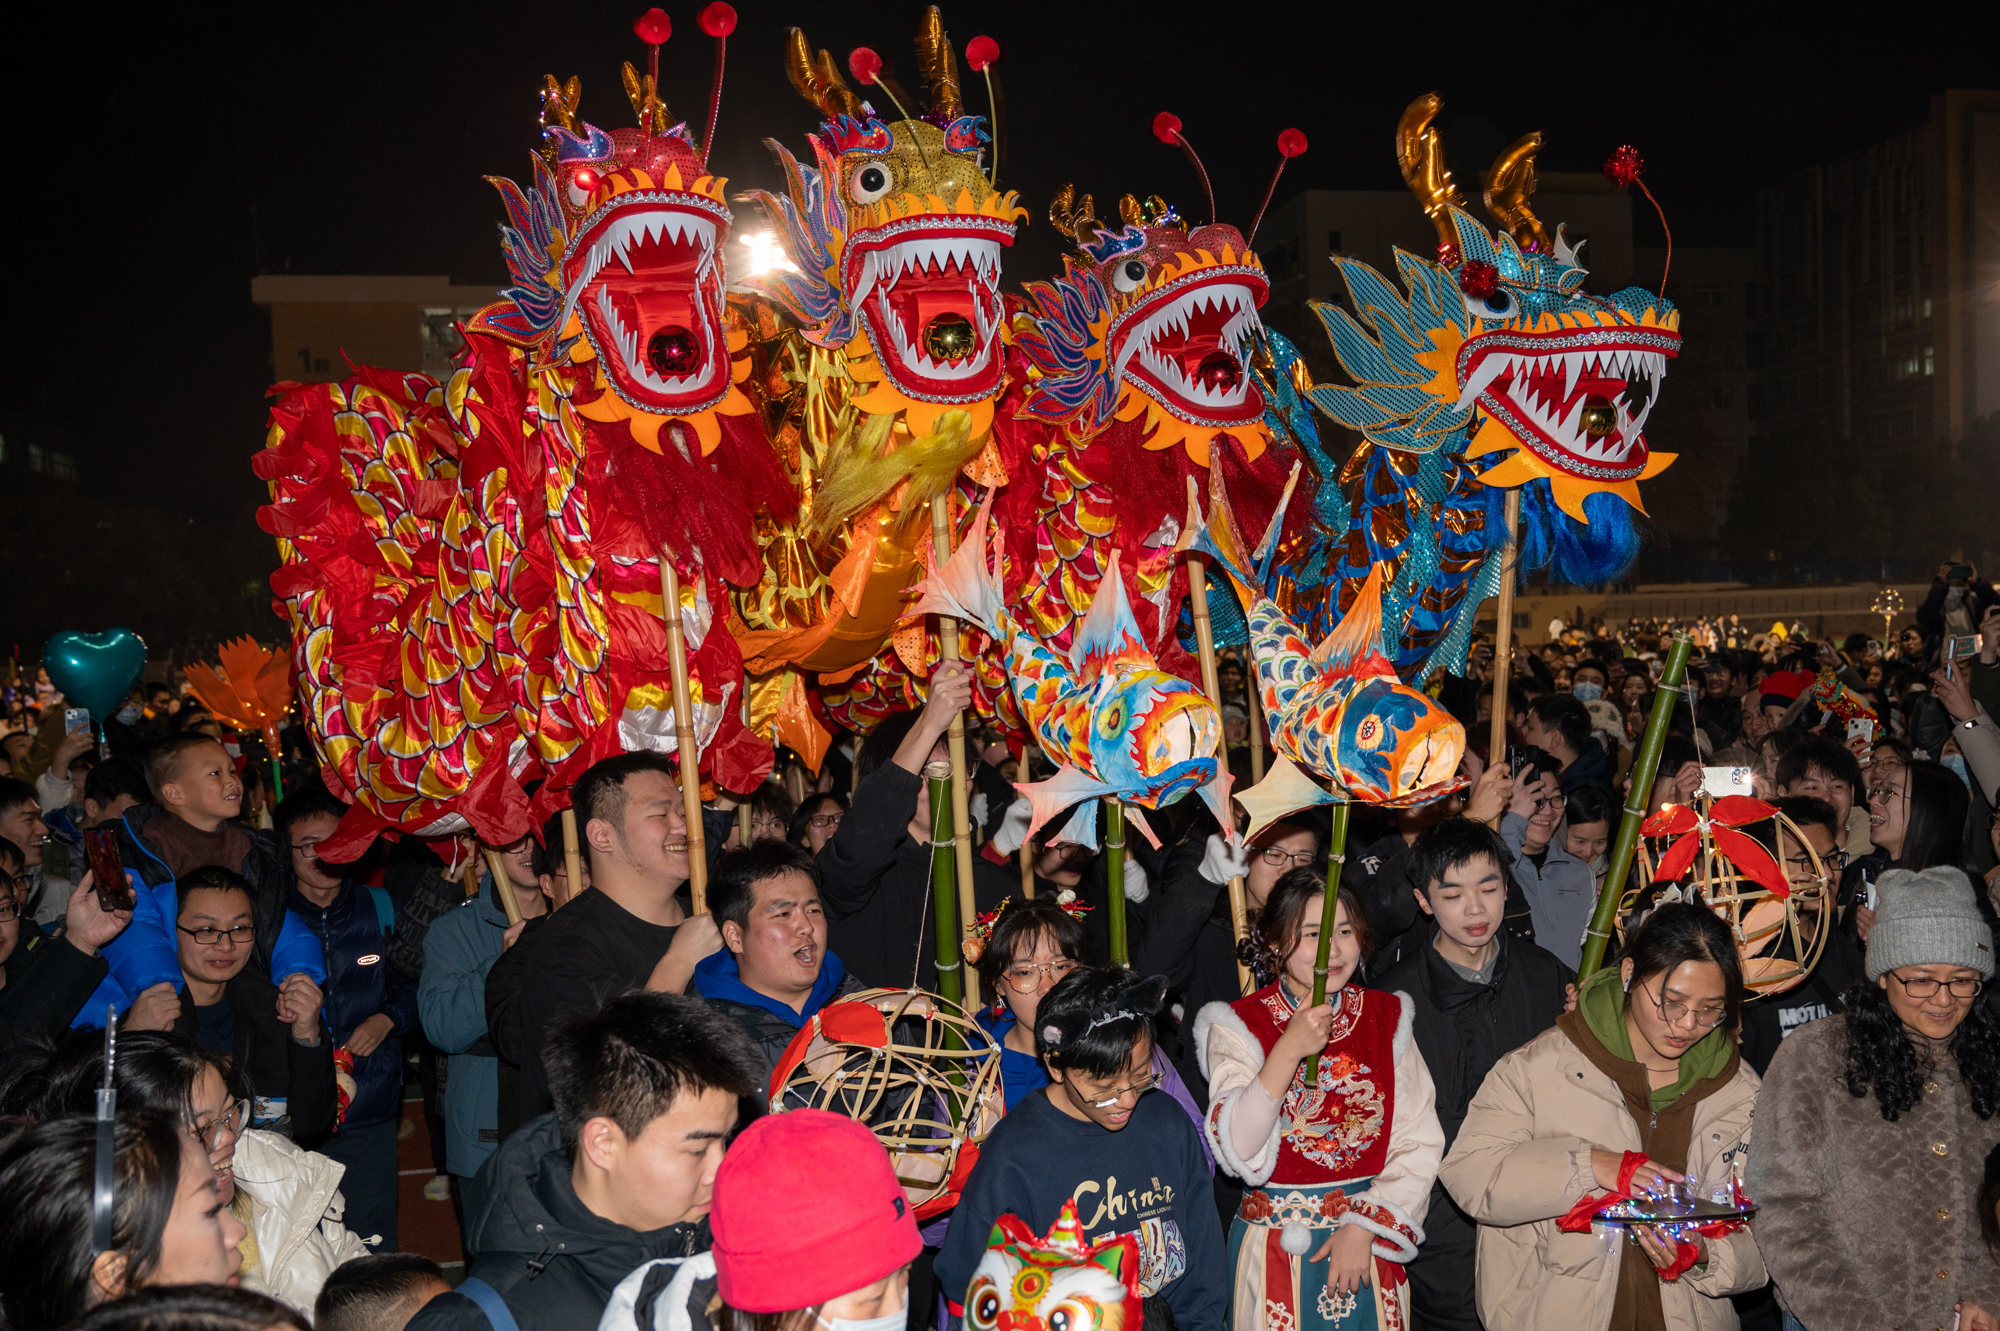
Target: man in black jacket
{"x": 1477, "y": 994}
{"x": 628, "y": 931}
{"x": 622, "y": 1173}
{"x": 876, "y": 869}
{"x": 773, "y": 971}
{"x": 47, "y": 978}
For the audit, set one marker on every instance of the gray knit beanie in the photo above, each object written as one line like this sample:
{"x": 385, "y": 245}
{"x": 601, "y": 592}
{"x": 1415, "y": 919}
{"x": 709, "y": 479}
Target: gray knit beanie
{"x": 1928, "y": 919}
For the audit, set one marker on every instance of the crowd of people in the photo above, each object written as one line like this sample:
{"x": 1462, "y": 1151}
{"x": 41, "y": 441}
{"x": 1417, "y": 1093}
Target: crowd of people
{"x": 1429, "y": 1146}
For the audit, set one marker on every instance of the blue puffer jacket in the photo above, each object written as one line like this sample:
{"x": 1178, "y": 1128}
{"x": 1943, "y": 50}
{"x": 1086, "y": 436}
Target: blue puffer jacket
{"x": 460, "y": 948}
{"x": 145, "y": 954}
{"x": 360, "y": 983}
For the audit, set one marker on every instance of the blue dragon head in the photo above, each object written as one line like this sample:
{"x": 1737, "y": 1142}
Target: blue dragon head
{"x": 1498, "y": 354}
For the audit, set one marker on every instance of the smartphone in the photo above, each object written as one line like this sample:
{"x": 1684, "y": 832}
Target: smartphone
{"x": 75, "y": 719}
{"x": 1719, "y": 781}
{"x": 1958, "y": 572}
{"x": 1861, "y": 728}
{"x": 107, "y": 865}
{"x": 1517, "y": 758}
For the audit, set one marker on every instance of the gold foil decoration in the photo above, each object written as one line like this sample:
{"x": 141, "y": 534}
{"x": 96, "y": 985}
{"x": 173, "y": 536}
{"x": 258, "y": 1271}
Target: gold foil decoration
{"x": 1509, "y": 187}
{"x": 1420, "y": 152}
{"x": 818, "y": 81}
{"x": 938, "y": 65}
{"x": 647, "y": 105}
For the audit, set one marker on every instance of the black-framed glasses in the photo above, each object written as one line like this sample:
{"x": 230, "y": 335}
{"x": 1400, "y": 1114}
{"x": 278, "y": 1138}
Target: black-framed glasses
{"x": 1280, "y": 858}
{"x": 235, "y": 1117}
{"x": 240, "y": 935}
{"x": 1674, "y": 1012}
{"x": 1925, "y": 987}
{"x": 1024, "y": 976}
{"x": 825, "y": 822}
{"x": 1558, "y": 800}
{"x": 9, "y": 910}
{"x": 1110, "y": 1098}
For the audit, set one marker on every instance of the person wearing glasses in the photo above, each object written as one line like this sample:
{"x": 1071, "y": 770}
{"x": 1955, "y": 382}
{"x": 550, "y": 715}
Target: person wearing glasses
{"x": 1873, "y": 1127}
{"x": 1133, "y": 1161}
{"x": 1338, "y": 1169}
{"x": 1638, "y": 1090}
{"x": 275, "y": 1036}
{"x": 1560, "y": 886}
{"x": 816, "y": 820}
{"x": 1916, "y": 818}
{"x": 286, "y": 1197}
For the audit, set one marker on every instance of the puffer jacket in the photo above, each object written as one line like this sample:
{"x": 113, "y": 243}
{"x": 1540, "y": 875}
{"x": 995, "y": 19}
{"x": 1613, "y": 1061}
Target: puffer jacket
{"x": 295, "y": 1218}
{"x": 361, "y": 984}
{"x": 1522, "y": 1159}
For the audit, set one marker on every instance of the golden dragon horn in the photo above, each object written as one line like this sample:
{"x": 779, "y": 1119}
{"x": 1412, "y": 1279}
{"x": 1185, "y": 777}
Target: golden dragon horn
{"x": 938, "y": 65}
{"x": 1509, "y": 187}
{"x": 1420, "y": 152}
{"x": 818, "y": 81}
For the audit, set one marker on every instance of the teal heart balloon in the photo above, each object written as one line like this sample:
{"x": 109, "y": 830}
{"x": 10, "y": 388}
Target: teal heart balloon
{"x": 95, "y": 670}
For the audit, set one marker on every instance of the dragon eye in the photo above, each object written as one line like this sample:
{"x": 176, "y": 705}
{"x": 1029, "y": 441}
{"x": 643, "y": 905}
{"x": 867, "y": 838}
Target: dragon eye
{"x": 986, "y": 1308}
{"x": 582, "y": 183}
{"x": 1499, "y": 305}
{"x": 869, "y": 182}
{"x": 1129, "y": 275}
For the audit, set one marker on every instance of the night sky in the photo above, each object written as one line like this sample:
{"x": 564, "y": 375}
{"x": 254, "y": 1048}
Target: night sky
{"x": 164, "y": 156}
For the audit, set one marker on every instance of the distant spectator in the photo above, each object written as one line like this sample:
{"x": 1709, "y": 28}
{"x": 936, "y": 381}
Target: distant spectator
{"x": 1559, "y": 726}
{"x": 816, "y": 820}
{"x": 380, "y": 1292}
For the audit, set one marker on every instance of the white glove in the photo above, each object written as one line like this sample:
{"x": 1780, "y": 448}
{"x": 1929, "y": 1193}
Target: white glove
{"x": 977, "y": 808}
{"x": 1137, "y": 889}
{"x": 1222, "y": 861}
{"x": 1013, "y": 829}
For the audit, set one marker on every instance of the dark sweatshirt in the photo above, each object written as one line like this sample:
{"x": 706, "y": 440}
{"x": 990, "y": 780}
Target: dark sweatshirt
{"x": 1149, "y": 1179}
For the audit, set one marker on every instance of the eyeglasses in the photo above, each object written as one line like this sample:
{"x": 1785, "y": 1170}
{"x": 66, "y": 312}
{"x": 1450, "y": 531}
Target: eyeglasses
{"x": 1674, "y": 1013}
{"x": 1558, "y": 800}
{"x": 1139, "y": 1087}
{"x": 8, "y": 910}
{"x": 310, "y": 846}
{"x": 1922, "y": 987}
{"x": 1278, "y": 857}
{"x": 235, "y": 1117}
{"x": 824, "y": 821}
{"x": 239, "y": 935}
{"x": 1025, "y": 976}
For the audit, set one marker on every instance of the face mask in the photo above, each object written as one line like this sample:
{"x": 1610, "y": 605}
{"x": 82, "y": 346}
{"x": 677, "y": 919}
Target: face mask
{"x": 895, "y": 1321}
{"x": 129, "y": 714}
{"x": 1586, "y": 691}
{"x": 1956, "y": 762}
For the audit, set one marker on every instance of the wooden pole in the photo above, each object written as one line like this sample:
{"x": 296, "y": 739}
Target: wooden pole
{"x": 1204, "y": 638}
{"x": 743, "y": 810}
{"x": 572, "y": 860}
{"x": 1027, "y": 852}
{"x": 1336, "y": 856}
{"x": 961, "y": 819}
{"x": 1645, "y": 767}
{"x": 1256, "y": 728}
{"x": 503, "y": 885}
{"x": 1503, "y": 637}
{"x": 469, "y": 875}
{"x": 677, "y": 660}
{"x": 1114, "y": 847}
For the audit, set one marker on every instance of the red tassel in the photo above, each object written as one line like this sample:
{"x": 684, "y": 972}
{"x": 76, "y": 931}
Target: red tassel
{"x": 981, "y": 52}
{"x": 1624, "y": 166}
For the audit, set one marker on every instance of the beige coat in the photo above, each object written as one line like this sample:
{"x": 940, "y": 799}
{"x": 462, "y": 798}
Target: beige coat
{"x": 295, "y": 1215}
{"x": 1522, "y": 1159}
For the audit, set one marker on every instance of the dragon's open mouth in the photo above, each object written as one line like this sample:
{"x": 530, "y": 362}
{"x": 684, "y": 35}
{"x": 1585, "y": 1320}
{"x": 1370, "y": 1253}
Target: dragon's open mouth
{"x": 644, "y": 277}
{"x": 928, "y": 289}
{"x": 1186, "y": 347}
{"x": 1579, "y": 399}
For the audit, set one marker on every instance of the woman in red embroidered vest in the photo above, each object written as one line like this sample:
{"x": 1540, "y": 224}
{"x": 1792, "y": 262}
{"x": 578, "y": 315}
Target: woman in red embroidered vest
{"x": 1340, "y": 1172}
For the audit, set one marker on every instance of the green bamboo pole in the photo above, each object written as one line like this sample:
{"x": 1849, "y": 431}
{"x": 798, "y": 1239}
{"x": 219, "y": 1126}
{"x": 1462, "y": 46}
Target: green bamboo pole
{"x": 944, "y": 883}
{"x": 1114, "y": 846}
{"x": 1645, "y": 767}
{"x": 277, "y": 781}
{"x": 1336, "y": 855}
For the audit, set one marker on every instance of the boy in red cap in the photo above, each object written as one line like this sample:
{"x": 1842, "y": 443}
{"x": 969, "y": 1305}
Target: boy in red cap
{"x": 789, "y": 1250}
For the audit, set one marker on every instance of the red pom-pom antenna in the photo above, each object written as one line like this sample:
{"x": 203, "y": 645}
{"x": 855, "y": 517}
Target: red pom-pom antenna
{"x": 981, "y": 52}
{"x": 717, "y": 20}
{"x": 653, "y": 26}
{"x": 1290, "y": 144}
{"x": 864, "y": 64}
{"x": 1167, "y": 127}
{"x": 1625, "y": 166}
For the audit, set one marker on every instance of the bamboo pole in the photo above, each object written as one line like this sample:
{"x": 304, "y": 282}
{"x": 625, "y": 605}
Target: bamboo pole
{"x": 677, "y": 660}
{"x": 961, "y": 820}
{"x": 951, "y": 966}
{"x": 469, "y": 875}
{"x": 503, "y": 885}
{"x": 1336, "y": 856}
{"x": 1204, "y": 637}
{"x": 743, "y": 810}
{"x": 1645, "y": 767}
{"x": 1027, "y": 852}
{"x": 572, "y": 860}
{"x": 1114, "y": 847}
{"x": 1503, "y": 637}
